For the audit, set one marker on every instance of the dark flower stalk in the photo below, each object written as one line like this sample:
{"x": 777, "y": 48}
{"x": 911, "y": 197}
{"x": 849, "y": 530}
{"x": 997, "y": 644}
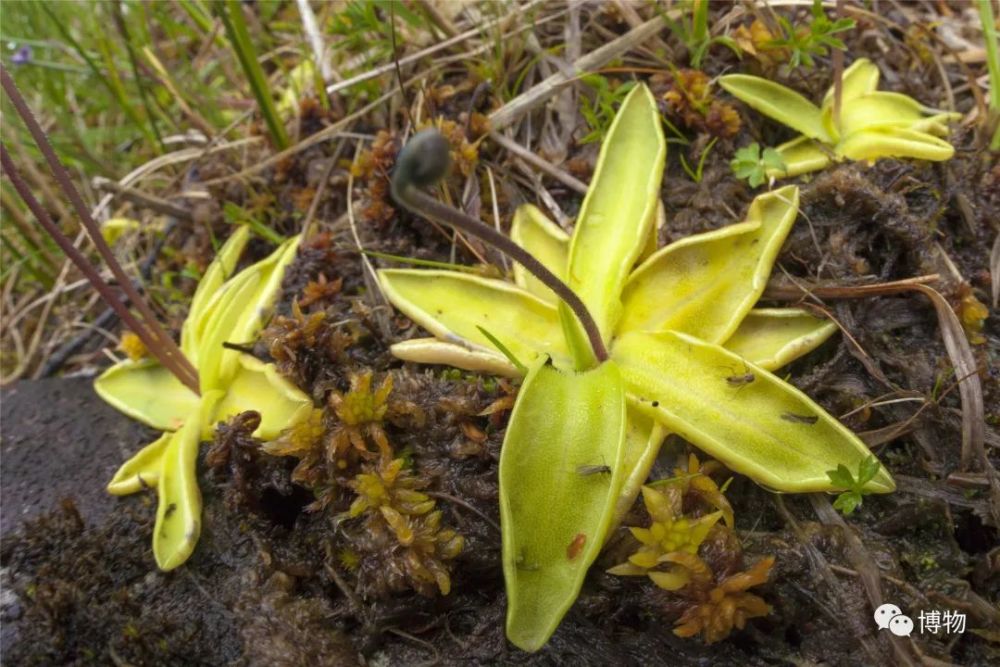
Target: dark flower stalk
{"x": 423, "y": 161}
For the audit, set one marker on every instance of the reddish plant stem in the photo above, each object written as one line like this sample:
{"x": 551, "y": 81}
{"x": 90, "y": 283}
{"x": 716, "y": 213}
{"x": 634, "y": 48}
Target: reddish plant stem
{"x": 164, "y": 342}
{"x": 90, "y": 273}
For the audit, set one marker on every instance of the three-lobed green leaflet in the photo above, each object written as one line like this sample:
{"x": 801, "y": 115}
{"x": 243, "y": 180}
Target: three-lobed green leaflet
{"x": 667, "y": 321}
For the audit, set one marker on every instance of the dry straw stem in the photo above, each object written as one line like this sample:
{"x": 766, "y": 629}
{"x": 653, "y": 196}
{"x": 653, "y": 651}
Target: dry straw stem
{"x": 141, "y": 199}
{"x": 959, "y": 351}
{"x": 429, "y": 51}
{"x": 866, "y": 567}
{"x": 541, "y": 92}
{"x": 821, "y": 567}
{"x": 539, "y": 163}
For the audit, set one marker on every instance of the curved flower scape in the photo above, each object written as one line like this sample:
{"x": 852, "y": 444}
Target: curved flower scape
{"x": 873, "y": 124}
{"x": 230, "y": 381}
{"x": 689, "y": 354}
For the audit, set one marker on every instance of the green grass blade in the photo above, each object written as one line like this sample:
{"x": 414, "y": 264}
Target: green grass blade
{"x": 126, "y": 38}
{"x": 231, "y": 14}
{"x": 993, "y": 62}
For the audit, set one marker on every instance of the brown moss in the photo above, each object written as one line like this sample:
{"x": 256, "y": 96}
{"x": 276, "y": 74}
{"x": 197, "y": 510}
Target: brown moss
{"x": 690, "y": 101}
{"x": 725, "y": 606}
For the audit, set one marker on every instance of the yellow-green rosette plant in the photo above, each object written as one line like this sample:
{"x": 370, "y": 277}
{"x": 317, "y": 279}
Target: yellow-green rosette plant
{"x": 618, "y": 344}
{"x": 223, "y": 309}
{"x": 873, "y": 124}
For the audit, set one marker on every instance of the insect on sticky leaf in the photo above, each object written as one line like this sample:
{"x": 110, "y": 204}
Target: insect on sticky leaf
{"x": 574, "y": 548}
{"x": 799, "y": 419}
{"x": 738, "y": 380}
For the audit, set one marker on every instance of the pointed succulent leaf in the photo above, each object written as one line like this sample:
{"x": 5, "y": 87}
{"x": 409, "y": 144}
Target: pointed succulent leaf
{"x": 453, "y": 305}
{"x": 880, "y": 142}
{"x": 773, "y": 337}
{"x": 258, "y": 386}
{"x": 936, "y": 124}
{"x": 642, "y": 443}
{"x": 705, "y": 284}
{"x": 778, "y": 102}
{"x": 801, "y": 155}
{"x": 178, "y": 513}
{"x": 545, "y": 240}
{"x": 226, "y": 314}
{"x": 766, "y": 429}
{"x": 618, "y": 212}
{"x": 146, "y": 391}
{"x": 142, "y": 471}
{"x": 877, "y": 109}
{"x": 216, "y": 274}
{"x": 434, "y": 351}
{"x": 239, "y": 314}
{"x": 554, "y": 519}
{"x": 859, "y": 79}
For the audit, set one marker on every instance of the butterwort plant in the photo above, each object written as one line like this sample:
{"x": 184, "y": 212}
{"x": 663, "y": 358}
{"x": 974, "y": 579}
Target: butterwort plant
{"x": 225, "y": 307}
{"x": 873, "y": 124}
{"x": 618, "y": 344}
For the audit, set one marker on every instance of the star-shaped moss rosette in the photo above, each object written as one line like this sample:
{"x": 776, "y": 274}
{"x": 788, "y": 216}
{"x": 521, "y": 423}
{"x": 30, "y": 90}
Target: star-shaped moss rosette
{"x": 873, "y": 124}
{"x": 230, "y": 381}
{"x": 688, "y": 354}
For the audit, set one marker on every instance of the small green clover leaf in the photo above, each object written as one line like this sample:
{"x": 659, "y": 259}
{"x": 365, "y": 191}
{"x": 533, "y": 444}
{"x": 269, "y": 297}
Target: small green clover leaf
{"x": 750, "y": 165}
{"x": 872, "y": 124}
{"x": 231, "y": 382}
{"x": 851, "y": 499}
{"x": 677, "y": 322}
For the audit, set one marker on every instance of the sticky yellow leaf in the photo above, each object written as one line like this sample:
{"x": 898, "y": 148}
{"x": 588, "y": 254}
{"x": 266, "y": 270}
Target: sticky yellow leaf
{"x": 773, "y": 337}
{"x": 801, "y": 155}
{"x": 554, "y": 518}
{"x": 859, "y": 79}
{"x": 142, "y": 471}
{"x": 147, "y": 392}
{"x": 453, "y": 305}
{"x": 178, "y": 512}
{"x": 704, "y": 285}
{"x": 217, "y": 273}
{"x": 879, "y": 142}
{"x": 778, "y": 102}
{"x": 544, "y": 239}
{"x": 434, "y": 351}
{"x": 258, "y": 386}
{"x": 617, "y": 213}
{"x": 765, "y": 429}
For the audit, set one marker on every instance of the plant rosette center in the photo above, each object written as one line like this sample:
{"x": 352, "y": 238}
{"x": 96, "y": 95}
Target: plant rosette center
{"x": 689, "y": 354}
